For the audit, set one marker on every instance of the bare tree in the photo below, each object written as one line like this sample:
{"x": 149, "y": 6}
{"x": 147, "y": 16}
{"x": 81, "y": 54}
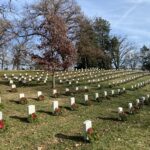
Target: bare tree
{"x": 120, "y": 48}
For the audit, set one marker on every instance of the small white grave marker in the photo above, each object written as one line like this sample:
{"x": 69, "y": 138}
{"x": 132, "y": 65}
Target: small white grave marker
{"x": 21, "y": 95}
{"x": 120, "y": 109}
{"x": 1, "y": 115}
{"x": 137, "y": 101}
{"x": 54, "y": 91}
{"x": 112, "y": 92}
{"x": 31, "y": 109}
{"x": 96, "y": 95}
{"x": 130, "y": 105}
{"x": 105, "y": 93}
{"x": 87, "y": 125}
{"x": 54, "y": 106}
{"x": 13, "y": 86}
{"x": 11, "y": 82}
{"x": 72, "y": 100}
{"x": 67, "y": 89}
{"x": 77, "y": 88}
{"x": 39, "y": 93}
{"x": 86, "y": 97}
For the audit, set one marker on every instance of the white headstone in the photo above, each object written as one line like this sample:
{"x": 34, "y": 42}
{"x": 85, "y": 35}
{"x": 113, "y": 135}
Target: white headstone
{"x": 13, "y": 86}
{"x": 87, "y": 125}
{"x": 54, "y": 91}
{"x": 130, "y": 105}
{"x": 85, "y": 87}
{"x": 137, "y": 101}
{"x": 86, "y": 97}
{"x": 72, "y": 100}
{"x": 112, "y": 92}
{"x": 77, "y": 88}
{"x": 31, "y": 109}
{"x": 67, "y": 89}
{"x": 11, "y": 82}
{"x": 1, "y": 115}
{"x": 21, "y": 95}
{"x": 54, "y": 105}
{"x": 39, "y": 93}
{"x": 96, "y": 95}
{"x": 105, "y": 93}
{"x": 120, "y": 109}
{"x": 98, "y": 85}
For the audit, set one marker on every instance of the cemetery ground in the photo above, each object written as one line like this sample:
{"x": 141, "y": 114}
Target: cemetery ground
{"x": 66, "y": 131}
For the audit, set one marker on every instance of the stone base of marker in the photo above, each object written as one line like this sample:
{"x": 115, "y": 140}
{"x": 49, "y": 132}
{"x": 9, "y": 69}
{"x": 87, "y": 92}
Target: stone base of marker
{"x": 23, "y": 101}
{"x": 41, "y": 98}
{"x": 57, "y": 111}
{"x": 32, "y": 118}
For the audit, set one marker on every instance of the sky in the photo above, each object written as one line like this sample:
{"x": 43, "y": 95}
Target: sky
{"x": 129, "y": 18}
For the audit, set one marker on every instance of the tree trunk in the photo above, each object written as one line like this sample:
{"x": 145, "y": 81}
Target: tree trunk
{"x": 53, "y": 80}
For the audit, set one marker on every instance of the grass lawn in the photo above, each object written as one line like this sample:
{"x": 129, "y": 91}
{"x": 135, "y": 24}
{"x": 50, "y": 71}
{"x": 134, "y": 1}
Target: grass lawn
{"x": 65, "y": 132}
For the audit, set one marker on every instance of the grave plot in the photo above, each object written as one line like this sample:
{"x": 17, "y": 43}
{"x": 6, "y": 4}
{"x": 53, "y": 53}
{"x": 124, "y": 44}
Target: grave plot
{"x": 77, "y": 126}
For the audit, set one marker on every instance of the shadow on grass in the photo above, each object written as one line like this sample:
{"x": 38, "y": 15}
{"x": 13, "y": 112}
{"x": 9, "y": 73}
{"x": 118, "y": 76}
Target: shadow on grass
{"x": 22, "y": 119}
{"x": 109, "y": 118}
{"x": 14, "y": 101}
{"x": 45, "y": 112}
{"x": 35, "y": 99}
{"x": 67, "y": 108}
{"x": 76, "y": 138}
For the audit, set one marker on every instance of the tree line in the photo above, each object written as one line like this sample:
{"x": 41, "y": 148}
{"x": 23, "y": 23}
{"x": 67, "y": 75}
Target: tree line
{"x": 55, "y": 34}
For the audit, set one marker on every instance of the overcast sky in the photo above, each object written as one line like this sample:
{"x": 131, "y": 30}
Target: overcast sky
{"x": 130, "y": 18}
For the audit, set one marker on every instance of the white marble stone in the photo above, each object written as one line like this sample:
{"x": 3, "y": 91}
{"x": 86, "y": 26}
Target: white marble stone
{"x": 39, "y": 93}
{"x": 1, "y": 115}
{"x": 105, "y": 93}
{"x": 120, "y": 109}
{"x": 54, "y": 91}
{"x": 86, "y": 98}
{"x": 21, "y": 95}
{"x": 87, "y": 125}
{"x": 96, "y": 95}
{"x": 130, "y": 105}
{"x": 13, "y": 86}
{"x": 31, "y": 109}
{"x": 72, "y": 100}
{"x": 54, "y": 105}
